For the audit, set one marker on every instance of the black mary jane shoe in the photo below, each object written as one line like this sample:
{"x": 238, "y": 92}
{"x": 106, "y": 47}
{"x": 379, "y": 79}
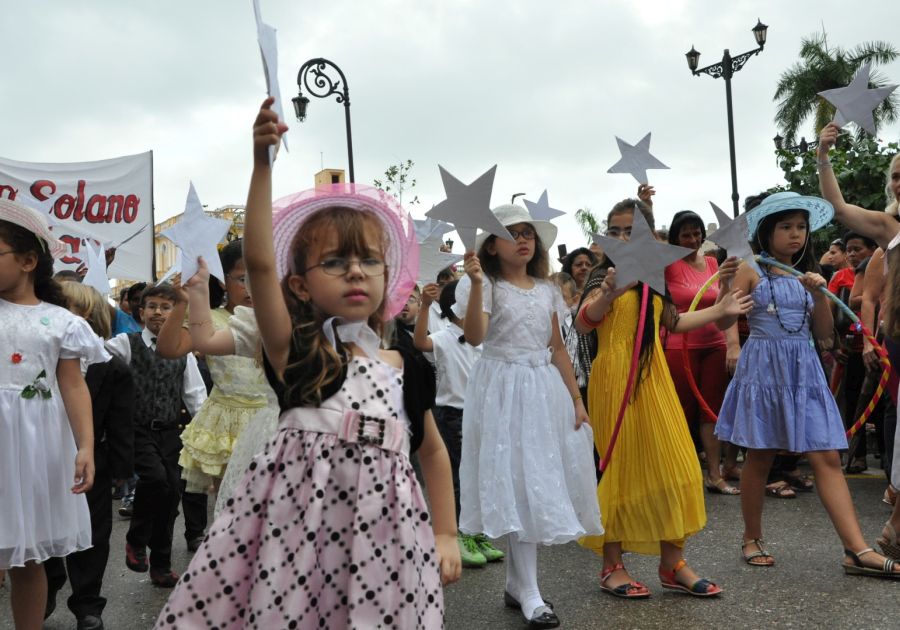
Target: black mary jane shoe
{"x": 543, "y": 617}
{"x": 512, "y": 602}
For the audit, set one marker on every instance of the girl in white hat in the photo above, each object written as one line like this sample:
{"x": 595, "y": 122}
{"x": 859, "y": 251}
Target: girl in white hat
{"x": 527, "y": 466}
{"x": 43, "y": 402}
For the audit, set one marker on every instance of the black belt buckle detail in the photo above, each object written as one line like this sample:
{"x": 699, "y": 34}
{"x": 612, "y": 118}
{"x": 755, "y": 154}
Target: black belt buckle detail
{"x": 361, "y": 436}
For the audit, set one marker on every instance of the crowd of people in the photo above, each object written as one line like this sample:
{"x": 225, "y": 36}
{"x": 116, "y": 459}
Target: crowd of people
{"x": 543, "y": 408}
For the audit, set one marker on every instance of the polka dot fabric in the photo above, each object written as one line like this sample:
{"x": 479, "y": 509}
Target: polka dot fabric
{"x": 320, "y": 533}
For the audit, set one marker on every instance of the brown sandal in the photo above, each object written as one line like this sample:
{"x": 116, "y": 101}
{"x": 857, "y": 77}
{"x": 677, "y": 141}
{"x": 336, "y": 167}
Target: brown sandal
{"x": 780, "y": 490}
{"x": 760, "y": 553}
{"x": 858, "y": 568}
{"x": 889, "y": 544}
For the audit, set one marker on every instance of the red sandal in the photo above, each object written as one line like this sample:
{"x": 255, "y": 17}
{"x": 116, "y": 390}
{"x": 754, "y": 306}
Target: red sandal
{"x": 630, "y": 590}
{"x": 700, "y": 588}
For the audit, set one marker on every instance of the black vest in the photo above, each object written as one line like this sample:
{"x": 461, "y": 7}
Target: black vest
{"x": 158, "y": 384}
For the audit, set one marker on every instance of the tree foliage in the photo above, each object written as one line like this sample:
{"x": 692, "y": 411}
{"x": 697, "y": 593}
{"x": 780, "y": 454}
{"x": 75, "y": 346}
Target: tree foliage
{"x": 397, "y": 180}
{"x": 823, "y": 68}
{"x": 861, "y": 167}
{"x": 589, "y": 223}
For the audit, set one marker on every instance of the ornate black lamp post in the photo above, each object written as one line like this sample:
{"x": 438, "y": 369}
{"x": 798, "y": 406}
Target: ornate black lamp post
{"x": 726, "y": 69}
{"x": 318, "y": 83}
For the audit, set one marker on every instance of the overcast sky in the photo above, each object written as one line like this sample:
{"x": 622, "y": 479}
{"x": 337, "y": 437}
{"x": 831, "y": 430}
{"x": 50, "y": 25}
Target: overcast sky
{"x": 539, "y": 88}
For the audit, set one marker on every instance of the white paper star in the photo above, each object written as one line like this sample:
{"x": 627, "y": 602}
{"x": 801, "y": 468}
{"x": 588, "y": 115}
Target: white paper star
{"x": 426, "y": 228}
{"x": 541, "y": 211}
{"x": 856, "y": 102}
{"x": 643, "y": 257}
{"x": 95, "y": 261}
{"x": 468, "y": 208}
{"x": 733, "y": 235}
{"x": 432, "y": 260}
{"x": 268, "y": 48}
{"x": 636, "y": 159}
{"x": 197, "y": 234}
{"x": 176, "y": 268}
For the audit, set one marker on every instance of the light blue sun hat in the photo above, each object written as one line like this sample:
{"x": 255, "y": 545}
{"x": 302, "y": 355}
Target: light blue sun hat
{"x": 819, "y": 211}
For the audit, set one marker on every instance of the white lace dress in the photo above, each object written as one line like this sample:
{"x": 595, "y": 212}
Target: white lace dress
{"x": 40, "y": 518}
{"x": 261, "y": 427}
{"x": 524, "y": 467}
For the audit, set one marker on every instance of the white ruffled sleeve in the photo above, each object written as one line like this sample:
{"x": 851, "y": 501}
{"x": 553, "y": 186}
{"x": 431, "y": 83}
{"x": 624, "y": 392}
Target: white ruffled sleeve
{"x": 462, "y": 296}
{"x": 80, "y": 342}
{"x": 245, "y": 331}
{"x": 558, "y": 303}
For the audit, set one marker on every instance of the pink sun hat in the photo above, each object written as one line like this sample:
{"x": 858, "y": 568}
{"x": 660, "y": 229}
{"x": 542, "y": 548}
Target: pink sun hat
{"x": 36, "y": 223}
{"x": 402, "y": 255}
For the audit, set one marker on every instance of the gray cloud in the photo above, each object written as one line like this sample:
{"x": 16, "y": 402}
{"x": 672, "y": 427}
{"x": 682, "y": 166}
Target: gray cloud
{"x": 538, "y": 88}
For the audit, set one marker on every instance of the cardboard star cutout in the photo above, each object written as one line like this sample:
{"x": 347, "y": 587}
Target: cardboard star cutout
{"x": 427, "y": 228}
{"x": 541, "y": 211}
{"x": 468, "y": 208}
{"x": 268, "y": 48}
{"x": 733, "y": 235}
{"x": 197, "y": 234}
{"x": 174, "y": 269}
{"x": 95, "y": 261}
{"x": 856, "y": 102}
{"x": 636, "y": 159}
{"x": 643, "y": 257}
{"x": 432, "y": 260}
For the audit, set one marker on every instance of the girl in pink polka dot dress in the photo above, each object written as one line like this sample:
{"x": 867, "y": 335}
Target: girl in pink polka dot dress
{"x": 329, "y": 527}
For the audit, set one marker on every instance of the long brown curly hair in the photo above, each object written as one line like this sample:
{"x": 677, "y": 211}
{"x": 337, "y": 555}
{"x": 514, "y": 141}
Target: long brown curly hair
{"x": 313, "y": 362}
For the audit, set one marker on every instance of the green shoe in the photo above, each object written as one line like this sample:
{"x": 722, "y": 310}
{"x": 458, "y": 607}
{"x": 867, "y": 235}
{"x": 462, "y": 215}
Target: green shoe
{"x": 488, "y": 550}
{"x": 470, "y": 552}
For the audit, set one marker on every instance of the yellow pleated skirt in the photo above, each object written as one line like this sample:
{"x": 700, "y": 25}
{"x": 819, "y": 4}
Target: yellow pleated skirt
{"x": 652, "y": 489}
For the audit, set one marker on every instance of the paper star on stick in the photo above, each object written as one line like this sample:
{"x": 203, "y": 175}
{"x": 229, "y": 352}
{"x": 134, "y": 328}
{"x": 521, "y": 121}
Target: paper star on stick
{"x": 432, "y": 260}
{"x": 541, "y": 211}
{"x": 636, "y": 159}
{"x": 733, "y": 235}
{"x": 95, "y": 261}
{"x": 468, "y": 208}
{"x": 268, "y": 48}
{"x": 643, "y": 257}
{"x": 197, "y": 234}
{"x": 856, "y": 102}
{"x": 427, "y": 228}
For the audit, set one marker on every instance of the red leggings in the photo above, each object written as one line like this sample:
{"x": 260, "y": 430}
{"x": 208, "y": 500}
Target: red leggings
{"x": 708, "y": 367}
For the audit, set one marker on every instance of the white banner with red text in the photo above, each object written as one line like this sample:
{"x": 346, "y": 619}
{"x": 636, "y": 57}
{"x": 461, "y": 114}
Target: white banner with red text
{"x": 109, "y": 201}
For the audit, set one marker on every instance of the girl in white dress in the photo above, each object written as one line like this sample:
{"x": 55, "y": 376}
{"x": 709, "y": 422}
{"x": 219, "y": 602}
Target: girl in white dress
{"x": 527, "y": 464}
{"x": 43, "y": 401}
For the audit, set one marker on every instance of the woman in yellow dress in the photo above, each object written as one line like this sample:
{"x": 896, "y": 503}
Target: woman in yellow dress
{"x": 651, "y": 492}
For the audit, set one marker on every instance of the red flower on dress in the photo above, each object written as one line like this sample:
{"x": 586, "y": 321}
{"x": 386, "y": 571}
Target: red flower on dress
{"x": 16, "y": 357}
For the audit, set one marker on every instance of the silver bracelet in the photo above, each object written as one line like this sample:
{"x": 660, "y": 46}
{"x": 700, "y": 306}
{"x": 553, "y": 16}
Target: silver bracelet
{"x": 826, "y": 163}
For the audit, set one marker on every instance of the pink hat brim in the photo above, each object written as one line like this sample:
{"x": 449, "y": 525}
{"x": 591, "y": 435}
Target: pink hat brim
{"x": 33, "y": 221}
{"x": 401, "y": 257}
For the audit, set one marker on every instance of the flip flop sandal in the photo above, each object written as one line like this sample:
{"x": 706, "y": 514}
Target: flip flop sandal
{"x": 720, "y": 487}
{"x": 800, "y": 482}
{"x": 625, "y": 591}
{"x": 890, "y": 496}
{"x": 781, "y": 491}
{"x": 858, "y": 568}
{"x": 761, "y": 553}
{"x": 889, "y": 544}
{"x": 700, "y": 588}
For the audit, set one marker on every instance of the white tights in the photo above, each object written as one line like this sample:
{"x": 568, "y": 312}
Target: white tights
{"x": 521, "y": 575}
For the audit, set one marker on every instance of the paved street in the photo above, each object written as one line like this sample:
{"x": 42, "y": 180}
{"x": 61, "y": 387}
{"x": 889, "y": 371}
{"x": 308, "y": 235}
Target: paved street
{"x": 807, "y": 589}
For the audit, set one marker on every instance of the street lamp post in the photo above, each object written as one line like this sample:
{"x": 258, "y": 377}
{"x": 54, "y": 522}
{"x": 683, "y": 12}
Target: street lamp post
{"x": 318, "y": 83}
{"x": 726, "y": 69}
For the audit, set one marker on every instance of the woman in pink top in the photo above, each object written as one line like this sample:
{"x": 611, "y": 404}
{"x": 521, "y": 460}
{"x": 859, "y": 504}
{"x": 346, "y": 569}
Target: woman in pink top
{"x": 708, "y": 351}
